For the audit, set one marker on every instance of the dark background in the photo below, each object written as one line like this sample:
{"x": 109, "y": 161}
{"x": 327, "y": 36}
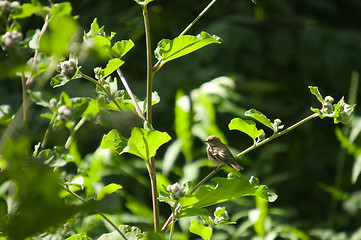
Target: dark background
{"x": 274, "y": 50}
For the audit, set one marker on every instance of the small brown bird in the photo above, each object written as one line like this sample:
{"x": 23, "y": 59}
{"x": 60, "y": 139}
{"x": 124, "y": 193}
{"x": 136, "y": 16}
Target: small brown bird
{"x": 218, "y": 153}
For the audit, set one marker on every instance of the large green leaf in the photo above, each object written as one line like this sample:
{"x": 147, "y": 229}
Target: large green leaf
{"x": 168, "y": 50}
{"x": 112, "y": 65}
{"x": 110, "y": 188}
{"x": 26, "y": 10}
{"x": 122, "y": 47}
{"x": 201, "y": 230}
{"x": 246, "y": 126}
{"x": 260, "y": 117}
{"x": 226, "y": 189}
{"x": 113, "y": 140}
{"x": 145, "y": 143}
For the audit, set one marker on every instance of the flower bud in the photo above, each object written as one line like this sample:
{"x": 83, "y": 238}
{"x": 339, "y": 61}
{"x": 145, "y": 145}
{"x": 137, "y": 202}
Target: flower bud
{"x": 11, "y": 39}
{"x": 221, "y": 215}
{"x": 67, "y": 68}
{"x": 15, "y": 5}
{"x": 64, "y": 113}
{"x": 176, "y": 191}
{"x": 53, "y": 102}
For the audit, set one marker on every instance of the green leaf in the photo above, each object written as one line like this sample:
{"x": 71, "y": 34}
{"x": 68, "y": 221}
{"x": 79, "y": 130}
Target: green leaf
{"x": 131, "y": 233}
{"x": 122, "y": 47}
{"x": 168, "y": 50}
{"x": 61, "y": 9}
{"x": 201, "y": 230}
{"x": 112, "y": 65}
{"x": 314, "y": 91}
{"x": 260, "y": 117}
{"x": 108, "y": 189}
{"x": 6, "y": 114}
{"x": 41, "y": 98}
{"x": 82, "y": 236}
{"x": 145, "y": 143}
{"x": 143, "y": 2}
{"x": 226, "y": 189}
{"x": 56, "y": 42}
{"x": 115, "y": 141}
{"x": 246, "y": 126}
{"x": 26, "y": 10}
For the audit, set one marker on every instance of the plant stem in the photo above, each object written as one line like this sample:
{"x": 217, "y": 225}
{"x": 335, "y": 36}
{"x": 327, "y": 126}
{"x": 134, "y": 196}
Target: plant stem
{"x": 101, "y": 87}
{"x": 66, "y": 188}
{"x": 150, "y": 74}
{"x": 43, "y": 29}
{"x": 43, "y": 143}
{"x": 171, "y": 217}
{"x": 25, "y": 109}
{"x": 127, "y": 88}
{"x": 73, "y": 131}
{"x": 160, "y": 63}
{"x": 258, "y": 144}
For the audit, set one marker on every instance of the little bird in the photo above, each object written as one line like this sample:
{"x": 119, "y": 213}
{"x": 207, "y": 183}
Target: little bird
{"x": 218, "y": 153}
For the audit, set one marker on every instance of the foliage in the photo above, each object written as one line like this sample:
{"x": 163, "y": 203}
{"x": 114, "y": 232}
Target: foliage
{"x": 75, "y": 158}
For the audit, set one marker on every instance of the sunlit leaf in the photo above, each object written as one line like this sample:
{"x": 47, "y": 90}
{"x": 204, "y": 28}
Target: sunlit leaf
{"x": 145, "y": 143}
{"x": 314, "y": 91}
{"x": 122, "y": 47}
{"x": 201, "y": 230}
{"x": 61, "y": 9}
{"x": 113, "y": 140}
{"x": 168, "y": 50}
{"x": 226, "y": 189}
{"x": 110, "y": 188}
{"x": 246, "y": 126}
{"x": 26, "y": 10}
{"x": 260, "y": 117}
{"x": 112, "y": 65}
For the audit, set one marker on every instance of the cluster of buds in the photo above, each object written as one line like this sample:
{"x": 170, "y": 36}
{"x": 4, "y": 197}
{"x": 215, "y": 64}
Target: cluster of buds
{"x": 11, "y": 40}
{"x": 9, "y": 6}
{"x": 67, "y": 68}
{"x": 327, "y": 107}
{"x": 344, "y": 112}
{"x": 64, "y": 113}
{"x": 220, "y": 215}
{"x": 176, "y": 191}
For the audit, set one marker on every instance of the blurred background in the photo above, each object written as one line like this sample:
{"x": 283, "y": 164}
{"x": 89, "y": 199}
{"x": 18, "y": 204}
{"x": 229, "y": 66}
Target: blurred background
{"x": 272, "y": 51}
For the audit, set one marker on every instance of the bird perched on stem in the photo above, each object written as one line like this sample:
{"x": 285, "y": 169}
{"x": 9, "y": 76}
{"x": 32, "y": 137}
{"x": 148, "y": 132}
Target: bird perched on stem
{"x": 218, "y": 153}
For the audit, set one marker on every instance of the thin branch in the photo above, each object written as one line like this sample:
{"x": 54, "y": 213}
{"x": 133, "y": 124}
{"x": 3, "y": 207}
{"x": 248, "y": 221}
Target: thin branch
{"x": 127, "y": 88}
{"x": 66, "y": 188}
{"x": 43, "y": 29}
{"x": 277, "y": 135}
{"x": 171, "y": 217}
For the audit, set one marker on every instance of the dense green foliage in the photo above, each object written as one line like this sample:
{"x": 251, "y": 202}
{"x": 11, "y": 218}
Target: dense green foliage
{"x": 81, "y": 156}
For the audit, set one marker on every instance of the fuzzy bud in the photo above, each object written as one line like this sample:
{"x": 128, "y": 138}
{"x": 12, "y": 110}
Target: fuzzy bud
{"x": 11, "y": 39}
{"x": 64, "y": 113}
{"x": 221, "y": 215}
{"x": 67, "y": 68}
{"x": 176, "y": 191}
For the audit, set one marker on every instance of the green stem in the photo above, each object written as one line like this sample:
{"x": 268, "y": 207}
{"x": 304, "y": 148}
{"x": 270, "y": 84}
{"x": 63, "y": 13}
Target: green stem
{"x": 172, "y": 224}
{"x": 43, "y": 29}
{"x": 66, "y": 188}
{"x": 43, "y": 143}
{"x": 127, "y": 88}
{"x": 258, "y": 144}
{"x": 150, "y": 74}
{"x": 101, "y": 87}
{"x": 160, "y": 63}
{"x": 171, "y": 217}
{"x": 25, "y": 109}
{"x": 73, "y": 131}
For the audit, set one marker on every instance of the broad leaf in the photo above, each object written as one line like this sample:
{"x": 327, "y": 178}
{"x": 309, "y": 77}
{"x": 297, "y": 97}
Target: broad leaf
{"x": 41, "y": 98}
{"x": 110, "y": 188}
{"x": 6, "y": 114}
{"x": 112, "y": 65}
{"x": 26, "y": 10}
{"x": 246, "y": 126}
{"x": 145, "y": 143}
{"x": 113, "y": 140}
{"x": 260, "y": 117}
{"x": 122, "y": 47}
{"x": 201, "y": 230}
{"x": 226, "y": 189}
{"x": 131, "y": 233}
{"x": 168, "y": 50}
